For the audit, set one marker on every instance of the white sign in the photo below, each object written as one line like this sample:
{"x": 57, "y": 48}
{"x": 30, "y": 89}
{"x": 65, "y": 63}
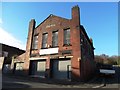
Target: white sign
{"x": 106, "y": 71}
{"x": 48, "y": 51}
{"x": 50, "y": 25}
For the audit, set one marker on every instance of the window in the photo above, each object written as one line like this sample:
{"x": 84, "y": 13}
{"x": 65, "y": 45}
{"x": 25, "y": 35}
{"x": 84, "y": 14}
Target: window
{"x": 35, "y": 42}
{"x": 55, "y": 38}
{"x": 19, "y": 66}
{"x": 44, "y": 40}
{"x": 67, "y": 37}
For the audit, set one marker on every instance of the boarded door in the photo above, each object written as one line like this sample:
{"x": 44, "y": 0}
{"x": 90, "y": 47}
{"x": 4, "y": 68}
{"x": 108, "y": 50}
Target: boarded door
{"x": 33, "y": 67}
{"x": 41, "y": 68}
{"x": 18, "y": 68}
{"x": 61, "y": 69}
{"x": 38, "y": 68}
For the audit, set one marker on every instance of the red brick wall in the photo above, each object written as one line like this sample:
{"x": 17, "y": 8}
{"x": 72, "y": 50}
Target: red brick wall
{"x": 87, "y": 60}
{"x": 59, "y": 24}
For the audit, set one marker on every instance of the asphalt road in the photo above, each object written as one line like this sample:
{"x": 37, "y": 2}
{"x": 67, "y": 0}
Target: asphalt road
{"x": 10, "y": 81}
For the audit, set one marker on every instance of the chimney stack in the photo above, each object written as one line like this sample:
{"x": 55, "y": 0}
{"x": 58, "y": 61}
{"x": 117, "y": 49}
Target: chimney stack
{"x": 91, "y": 40}
{"x": 29, "y": 45}
{"x": 30, "y": 34}
{"x": 76, "y": 14}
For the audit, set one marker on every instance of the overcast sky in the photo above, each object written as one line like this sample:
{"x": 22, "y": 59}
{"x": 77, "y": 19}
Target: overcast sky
{"x": 99, "y": 19}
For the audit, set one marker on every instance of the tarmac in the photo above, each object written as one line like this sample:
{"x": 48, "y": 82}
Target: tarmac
{"x": 37, "y": 82}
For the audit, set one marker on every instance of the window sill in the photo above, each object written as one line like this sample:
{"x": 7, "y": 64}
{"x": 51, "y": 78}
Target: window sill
{"x": 50, "y": 47}
{"x": 54, "y": 46}
{"x": 34, "y": 49}
{"x": 67, "y": 45}
{"x": 44, "y": 48}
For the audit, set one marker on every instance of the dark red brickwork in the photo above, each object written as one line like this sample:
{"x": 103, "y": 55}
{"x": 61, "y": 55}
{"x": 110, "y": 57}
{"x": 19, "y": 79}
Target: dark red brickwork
{"x": 82, "y": 62}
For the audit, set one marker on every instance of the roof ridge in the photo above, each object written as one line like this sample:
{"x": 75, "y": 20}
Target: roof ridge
{"x": 50, "y": 15}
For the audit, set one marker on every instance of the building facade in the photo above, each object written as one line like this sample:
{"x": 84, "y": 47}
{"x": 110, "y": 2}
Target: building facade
{"x": 59, "y": 48}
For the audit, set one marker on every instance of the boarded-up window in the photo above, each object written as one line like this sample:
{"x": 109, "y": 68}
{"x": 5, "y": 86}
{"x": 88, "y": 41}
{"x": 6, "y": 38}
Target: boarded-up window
{"x": 44, "y": 40}
{"x": 19, "y": 66}
{"x": 35, "y": 42}
{"x": 67, "y": 36}
{"x": 55, "y": 39}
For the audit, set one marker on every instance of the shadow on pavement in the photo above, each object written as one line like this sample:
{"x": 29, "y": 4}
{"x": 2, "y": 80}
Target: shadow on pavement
{"x": 96, "y": 80}
{"x": 14, "y": 85}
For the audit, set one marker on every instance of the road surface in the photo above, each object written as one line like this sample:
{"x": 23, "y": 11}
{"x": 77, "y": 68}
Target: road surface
{"x": 12, "y": 81}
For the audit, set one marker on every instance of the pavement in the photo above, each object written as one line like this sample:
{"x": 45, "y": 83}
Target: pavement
{"x": 14, "y": 81}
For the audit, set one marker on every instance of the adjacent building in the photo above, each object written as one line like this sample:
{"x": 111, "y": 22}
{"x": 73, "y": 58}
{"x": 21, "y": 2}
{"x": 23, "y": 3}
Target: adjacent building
{"x": 6, "y": 54}
{"x": 58, "y": 48}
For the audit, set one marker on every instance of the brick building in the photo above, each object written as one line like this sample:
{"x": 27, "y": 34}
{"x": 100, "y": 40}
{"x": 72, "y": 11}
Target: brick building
{"x": 59, "y": 48}
{"x": 6, "y": 54}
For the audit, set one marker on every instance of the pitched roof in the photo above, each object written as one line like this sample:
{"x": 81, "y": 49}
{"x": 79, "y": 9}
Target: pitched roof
{"x": 51, "y": 15}
{"x": 10, "y": 46}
